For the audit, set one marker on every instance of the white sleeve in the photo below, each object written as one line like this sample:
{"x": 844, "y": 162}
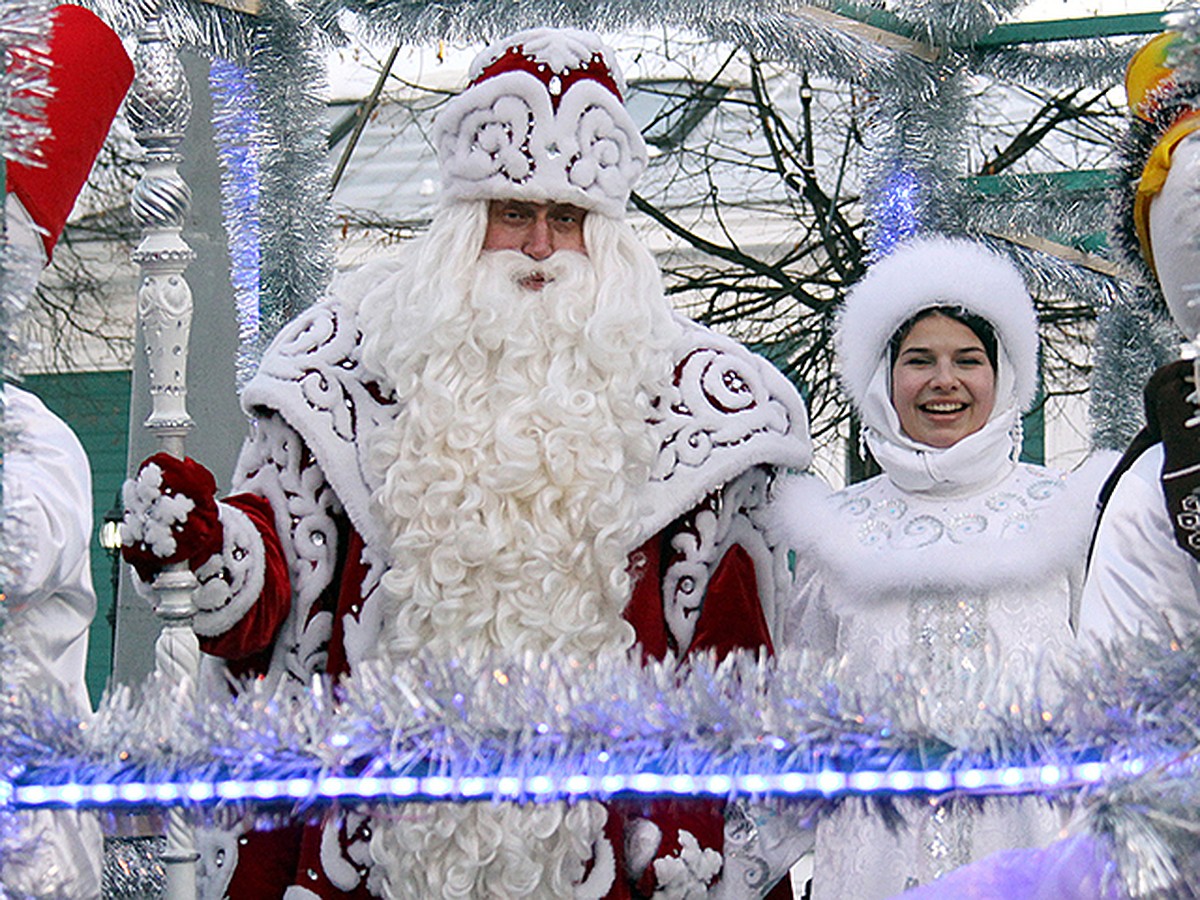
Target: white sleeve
{"x": 47, "y": 532}
{"x": 1138, "y": 575}
{"x": 47, "y": 499}
{"x": 817, "y": 631}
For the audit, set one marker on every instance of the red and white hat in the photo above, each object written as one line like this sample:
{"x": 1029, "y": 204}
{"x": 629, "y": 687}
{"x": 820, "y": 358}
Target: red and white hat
{"x": 89, "y": 75}
{"x": 542, "y": 119}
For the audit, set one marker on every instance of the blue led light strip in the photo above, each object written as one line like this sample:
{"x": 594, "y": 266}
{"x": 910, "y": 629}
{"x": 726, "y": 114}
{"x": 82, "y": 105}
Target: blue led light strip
{"x": 544, "y": 787}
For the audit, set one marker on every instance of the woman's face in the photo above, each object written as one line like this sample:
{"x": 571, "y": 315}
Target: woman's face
{"x": 943, "y": 385}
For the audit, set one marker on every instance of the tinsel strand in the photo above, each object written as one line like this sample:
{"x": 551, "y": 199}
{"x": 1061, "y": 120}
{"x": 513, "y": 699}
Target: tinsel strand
{"x": 24, "y": 86}
{"x": 296, "y": 222}
{"x": 237, "y": 133}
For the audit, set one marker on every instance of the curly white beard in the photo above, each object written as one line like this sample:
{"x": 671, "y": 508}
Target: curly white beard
{"x": 509, "y": 481}
{"x": 478, "y": 851}
{"x": 509, "y": 489}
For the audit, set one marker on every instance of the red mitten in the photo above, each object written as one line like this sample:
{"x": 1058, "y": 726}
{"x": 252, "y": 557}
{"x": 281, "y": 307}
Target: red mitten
{"x": 170, "y": 515}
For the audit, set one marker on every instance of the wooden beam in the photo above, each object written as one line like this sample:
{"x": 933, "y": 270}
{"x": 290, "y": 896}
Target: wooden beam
{"x": 250, "y": 7}
{"x": 1062, "y": 251}
{"x": 1072, "y": 29}
{"x": 864, "y": 30}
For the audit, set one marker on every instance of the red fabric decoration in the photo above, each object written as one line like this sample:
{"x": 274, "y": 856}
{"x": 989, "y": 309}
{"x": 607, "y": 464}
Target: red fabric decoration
{"x": 705, "y": 819}
{"x": 782, "y": 889}
{"x": 267, "y": 860}
{"x": 310, "y": 873}
{"x": 89, "y": 73}
{"x": 645, "y": 608}
{"x": 735, "y": 621}
{"x": 200, "y": 536}
{"x": 349, "y": 603}
{"x": 515, "y": 60}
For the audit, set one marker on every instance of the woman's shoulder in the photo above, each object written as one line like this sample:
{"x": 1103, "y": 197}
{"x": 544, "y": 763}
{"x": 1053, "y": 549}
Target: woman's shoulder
{"x": 1073, "y": 492}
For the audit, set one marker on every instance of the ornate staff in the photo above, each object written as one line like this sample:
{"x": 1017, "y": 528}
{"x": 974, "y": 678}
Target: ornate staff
{"x": 158, "y": 109}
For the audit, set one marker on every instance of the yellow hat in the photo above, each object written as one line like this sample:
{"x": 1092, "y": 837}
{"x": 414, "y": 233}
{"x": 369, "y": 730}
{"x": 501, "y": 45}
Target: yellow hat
{"x": 1149, "y": 79}
{"x": 1147, "y": 70}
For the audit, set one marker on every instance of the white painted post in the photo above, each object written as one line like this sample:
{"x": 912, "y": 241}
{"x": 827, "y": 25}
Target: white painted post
{"x": 158, "y": 109}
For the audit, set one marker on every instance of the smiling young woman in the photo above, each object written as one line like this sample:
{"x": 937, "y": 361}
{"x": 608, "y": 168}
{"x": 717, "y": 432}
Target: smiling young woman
{"x": 943, "y": 379}
{"x": 954, "y": 570}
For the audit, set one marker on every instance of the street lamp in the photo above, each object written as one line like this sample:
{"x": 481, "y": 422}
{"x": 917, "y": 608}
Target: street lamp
{"x": 110, "y": 540}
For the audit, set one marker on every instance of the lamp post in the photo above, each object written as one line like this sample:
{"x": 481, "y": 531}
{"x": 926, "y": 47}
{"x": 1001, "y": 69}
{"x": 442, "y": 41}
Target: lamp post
{"x": 110, "y": 540}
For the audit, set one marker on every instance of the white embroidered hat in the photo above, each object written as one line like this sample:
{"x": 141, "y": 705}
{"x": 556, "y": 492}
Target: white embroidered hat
{"x": 937, "y": 271}
{"x": 542, "y": 119}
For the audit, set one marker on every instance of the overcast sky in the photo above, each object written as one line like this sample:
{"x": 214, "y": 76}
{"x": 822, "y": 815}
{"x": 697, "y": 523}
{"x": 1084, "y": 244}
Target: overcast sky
{"x": 351, "y": 79}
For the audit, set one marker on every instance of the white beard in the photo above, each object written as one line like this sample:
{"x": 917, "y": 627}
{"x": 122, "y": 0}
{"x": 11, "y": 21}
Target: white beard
{"x": 480, "y": 851}
{"x": 509, "y": 480}
{"x": 509, "y": 489}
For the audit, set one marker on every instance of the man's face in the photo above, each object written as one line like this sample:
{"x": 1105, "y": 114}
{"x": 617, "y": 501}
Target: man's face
{"x": 537, "y": 230}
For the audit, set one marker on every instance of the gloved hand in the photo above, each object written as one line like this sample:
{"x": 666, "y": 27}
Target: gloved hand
{"x": 170, "y": 515}
{"x": 1168, "y": 400}
{"x": 1170, "y": 406}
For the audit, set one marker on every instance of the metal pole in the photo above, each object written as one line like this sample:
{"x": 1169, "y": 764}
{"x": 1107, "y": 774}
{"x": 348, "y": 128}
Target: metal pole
{"x": 364, "y": 113}
{"x": 158, "y": 109}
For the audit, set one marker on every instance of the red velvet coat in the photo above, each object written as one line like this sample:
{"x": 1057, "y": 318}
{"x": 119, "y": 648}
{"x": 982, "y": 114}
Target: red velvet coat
{"x": 293, "y": 592}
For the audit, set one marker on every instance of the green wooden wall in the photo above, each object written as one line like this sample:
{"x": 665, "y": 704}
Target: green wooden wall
{"x": 96, "y": 406}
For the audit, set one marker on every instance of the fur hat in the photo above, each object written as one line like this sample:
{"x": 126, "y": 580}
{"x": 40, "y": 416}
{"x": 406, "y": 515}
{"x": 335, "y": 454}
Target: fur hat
{"x": 542, "y": 120}
{"x": 1164, "y": 110}
{"x": 936, "y": 271}
{"x": 89, "y": 75}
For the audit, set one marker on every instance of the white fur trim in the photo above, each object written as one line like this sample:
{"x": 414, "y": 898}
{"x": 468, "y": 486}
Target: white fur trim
{"x": 875, "y": 540}
{"x": 231, "y": 582}
{"x": 936, "y": 271}
{"x": 642, "y": 840}
{"x": 687, "y": 875}
{"x": 341, "y": 871}
{"x": 218, "y": 849}
{"x": 728, "y": 410}
{"x": 603, "y": 875}
{"x": 501, "y": 138}
{"x": 312, "y": 376}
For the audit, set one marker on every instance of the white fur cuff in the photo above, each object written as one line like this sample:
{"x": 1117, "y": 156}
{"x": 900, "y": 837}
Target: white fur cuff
{"x": 230, "y": 583}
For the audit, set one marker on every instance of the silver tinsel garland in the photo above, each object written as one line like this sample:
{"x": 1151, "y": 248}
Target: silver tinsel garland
{"x": 294, "y": 217}
{"x": 24, "y": 86}
{"x": 1057, "y": 66}
{"x": 775, "y": 30}
{"x": 503, "y": 717}
{"x": 731, "y": 729}
{"x": 1134, "y": 336}
{"x": 1139, "y": 700}
{"x": 1028, "y": 204}
{"x": 202, "y": 27}
{"x": 949, "y": 23}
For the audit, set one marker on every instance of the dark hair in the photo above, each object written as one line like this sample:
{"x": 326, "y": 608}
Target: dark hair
{"x": 980, "y": 326}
